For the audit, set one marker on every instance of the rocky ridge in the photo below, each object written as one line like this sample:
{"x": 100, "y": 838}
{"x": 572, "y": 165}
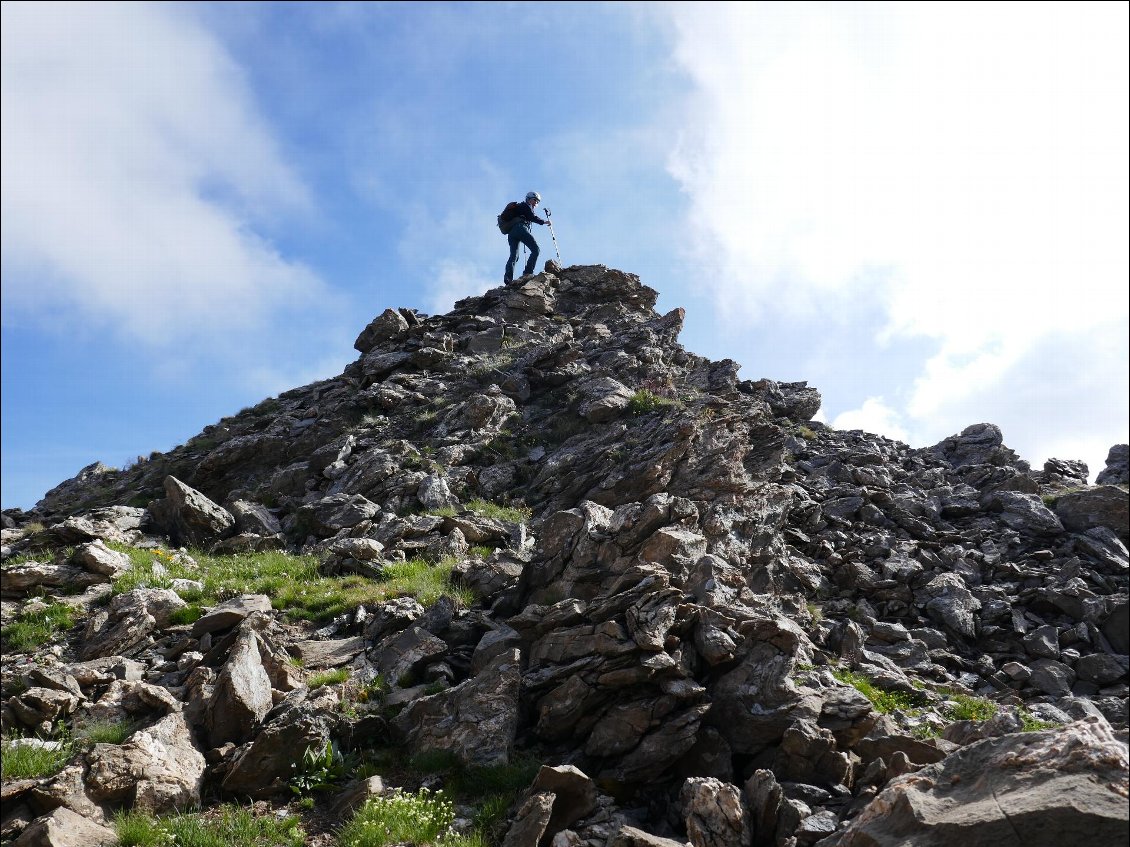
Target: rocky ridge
{"x": 690, "y": 614}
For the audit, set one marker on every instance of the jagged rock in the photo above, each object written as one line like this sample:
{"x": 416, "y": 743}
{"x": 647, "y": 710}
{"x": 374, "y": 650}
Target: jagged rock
{"x": 715, "y": 813}
{"x": 979, "y": 444}
{"x": 574, "y": 795}
{"x": 157, "y": 770}
{"x": 1103, "y": 505}
{"x": 254, "y": 518}
{"x": 303, "y": 721}
{"x": 330, "y": 515}
{"x": 190, "y": 518}
{"x": 1117, "y": 470}
{"x": 434, "y": 494}
{"x": 241, "y": 695}
{"x": 19, "y": 580}
{"x": 124, "y": 629}
{"x": 1056, "y": 787}
{"x": 401, "y": 654}
{"x": 386, "y": 326}
{"x": 531, "y": 821}
{"x": 97, "y": 558}
{"x": 476, "y": 720}
{"x": 64, "y": 828}
{"x": 230, "y": 612}
{"x": 41, "y": 707}
{"x": 952, "y": 604}
{"x": 1025, "y": 513}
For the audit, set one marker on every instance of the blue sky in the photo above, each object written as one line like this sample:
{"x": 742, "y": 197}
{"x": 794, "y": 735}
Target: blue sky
{"x": 921, "y": 208}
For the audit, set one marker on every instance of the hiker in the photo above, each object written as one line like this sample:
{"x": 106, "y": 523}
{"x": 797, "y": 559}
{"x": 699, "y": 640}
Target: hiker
{"x": 517, "y": 217}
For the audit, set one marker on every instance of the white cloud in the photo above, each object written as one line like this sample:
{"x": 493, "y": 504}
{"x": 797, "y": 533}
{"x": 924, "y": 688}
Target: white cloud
{"x": 139, "y": 179}
{"x": 451, "y": 281}
{"x": 962, "y": 169}
{"x": 873, "y": 416}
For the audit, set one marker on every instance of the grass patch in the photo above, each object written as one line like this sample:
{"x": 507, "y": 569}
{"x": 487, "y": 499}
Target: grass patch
{"x": 31, "y": 629}
{"x": 292, "y": 582}
{"x": 333, "y": 677}
{"x": 644, "y": 402}
{"x": 1031, "y": 723}
{"x": 20, "y": 761}
{"x": 503, "y": 513}
{"x": 103, "y": 732}
{"x": 885, "y": 702}
{"x": 223, "y": 827}
{"x": 186, "y": 615}
{"x": 963, "y": 707}
{"x": 427, "y": 583}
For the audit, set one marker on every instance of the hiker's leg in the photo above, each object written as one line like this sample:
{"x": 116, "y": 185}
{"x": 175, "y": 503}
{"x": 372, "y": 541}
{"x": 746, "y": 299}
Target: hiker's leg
{"x": 528, "y": 240}
{"x": 512, "y": 237}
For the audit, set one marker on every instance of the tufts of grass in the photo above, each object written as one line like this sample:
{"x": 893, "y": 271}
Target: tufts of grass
{"x": 1031, "y": 723}
{"x": 221, "y": 828}
{"x": 503, "y": 513}
{"x": 292, "y": 582}
{"x": 19, "y": 761}
{"x": 333, "y": 677}
{"x": 644, "y": 402}
{"x": 963, "y": 707}
{"x": 31, "y": 629}
{"x": 427, "y": 583}
{"x": 103, "y": 732}
{"x": 885, "y": 702}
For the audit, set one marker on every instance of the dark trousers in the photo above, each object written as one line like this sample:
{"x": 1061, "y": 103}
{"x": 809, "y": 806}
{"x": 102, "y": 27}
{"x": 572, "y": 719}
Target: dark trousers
{"x": 520, "y": 234}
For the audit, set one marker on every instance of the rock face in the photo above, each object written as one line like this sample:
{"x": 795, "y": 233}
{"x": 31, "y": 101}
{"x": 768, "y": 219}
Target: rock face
{"x": 713, "y": 619}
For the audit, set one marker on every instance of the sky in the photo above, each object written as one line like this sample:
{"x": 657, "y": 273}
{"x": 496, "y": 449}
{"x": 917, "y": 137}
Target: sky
{"x": 919, "y": 209}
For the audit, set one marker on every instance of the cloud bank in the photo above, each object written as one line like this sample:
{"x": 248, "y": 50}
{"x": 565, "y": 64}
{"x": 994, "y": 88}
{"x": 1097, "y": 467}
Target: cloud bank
{"x": 140, "y": 184}
{"x": 963, "y": 176}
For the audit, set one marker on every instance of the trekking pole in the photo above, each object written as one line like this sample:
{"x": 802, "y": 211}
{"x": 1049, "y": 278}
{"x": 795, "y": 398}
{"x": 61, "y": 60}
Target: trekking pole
{"x": 553, "y": 234}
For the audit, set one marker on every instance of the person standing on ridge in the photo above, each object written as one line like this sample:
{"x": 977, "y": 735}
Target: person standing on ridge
{"x": 520, "y": 216}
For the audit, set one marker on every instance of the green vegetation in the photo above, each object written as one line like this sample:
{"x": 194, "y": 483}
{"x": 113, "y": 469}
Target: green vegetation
{"x": 292, "y": 582}
{"x": 221, "y": 828}
{"x": 32, "y": 628}
{"x": 488, "y": 510}
{"x": 644, "y": 402}
{"x": 328, "y": 678}
{"x": 1031, "y": 723}
{"x": 320, "y": 770}
{"x": 807, "y": 433}
{"x": 103, "y": 732}
{"x": 24, "y": 761}
{"x": 885, "y": 702}
{"x": 398, "y": 818}
{"x": 189, "y": 614}
{"x": 963, "y": 707}
{"x": 503, "y": 513}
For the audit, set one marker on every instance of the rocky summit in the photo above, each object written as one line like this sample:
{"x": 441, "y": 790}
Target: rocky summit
{"x": 597, "y": 590}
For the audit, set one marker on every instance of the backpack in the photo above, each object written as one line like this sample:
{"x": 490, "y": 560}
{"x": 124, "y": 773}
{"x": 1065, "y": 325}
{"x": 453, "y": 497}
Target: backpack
{"x": 506, "y": 218}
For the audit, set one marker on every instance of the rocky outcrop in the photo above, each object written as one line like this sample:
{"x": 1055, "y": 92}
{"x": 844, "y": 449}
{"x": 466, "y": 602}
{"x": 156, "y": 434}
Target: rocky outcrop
{"x": 714, "y": 619}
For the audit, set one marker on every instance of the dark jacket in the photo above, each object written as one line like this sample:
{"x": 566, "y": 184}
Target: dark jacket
{"x": 526, "y": 212}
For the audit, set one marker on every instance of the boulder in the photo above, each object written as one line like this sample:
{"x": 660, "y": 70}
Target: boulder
{"x": 476, "y": 720}
{"x": 158, "y": 770}
{"x": 1102, "y": 505}
{"x": 64, "y": 828}
{"x": 1036, "y": 789}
